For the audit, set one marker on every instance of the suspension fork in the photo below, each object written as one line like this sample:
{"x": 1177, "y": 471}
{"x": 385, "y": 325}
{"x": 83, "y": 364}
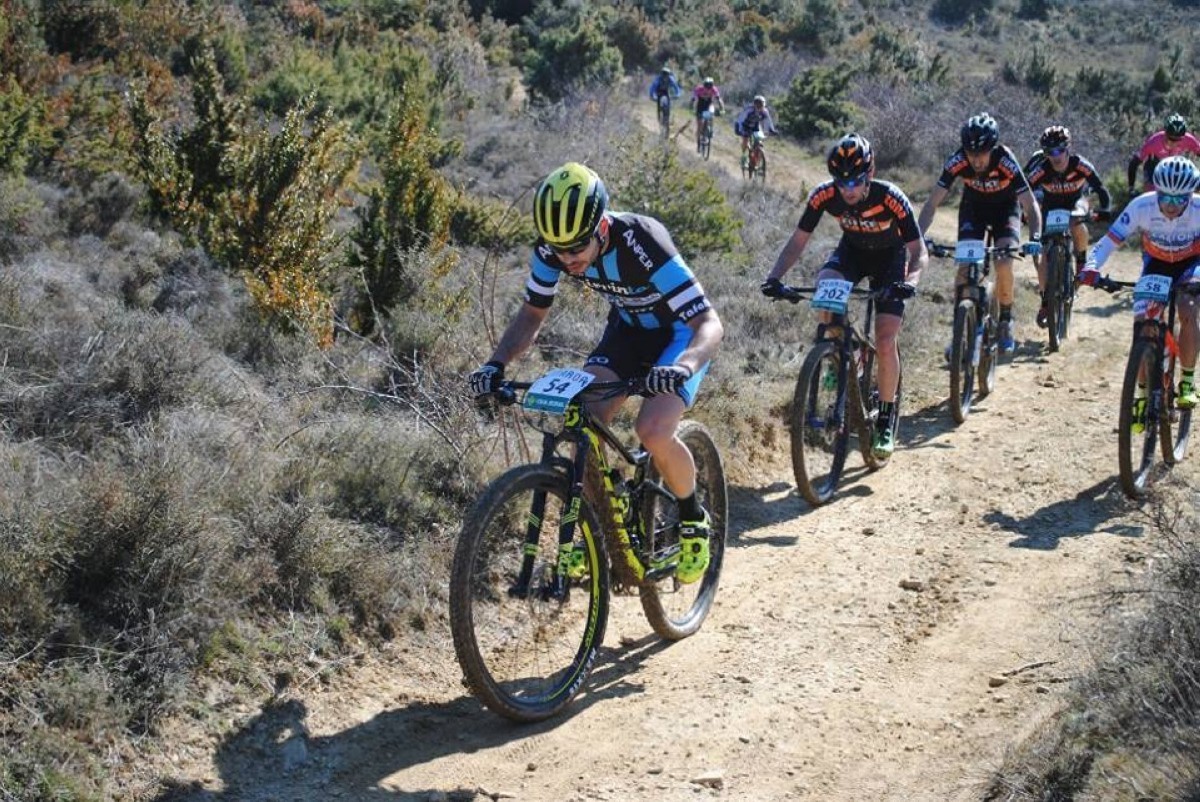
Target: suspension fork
{"x": 533, "y": 523}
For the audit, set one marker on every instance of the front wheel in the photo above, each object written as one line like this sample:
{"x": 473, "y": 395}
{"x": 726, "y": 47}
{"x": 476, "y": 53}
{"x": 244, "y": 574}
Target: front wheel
{"x": 1138, "y": 420}
{"x": 526, "y": 631}
{"x": 1057, "y": 296}
{"x": 985, "y": 375}
{"x": 818, "y": 422}
{"x": 963, "y": 359}
{"x": 676, "y": 610}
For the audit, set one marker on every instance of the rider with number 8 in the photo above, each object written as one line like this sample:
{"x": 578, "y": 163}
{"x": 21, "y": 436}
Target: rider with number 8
{"x": 661, "y": 325}
{"x": 880, "y": 241}
{"x": 995, "y": 191}
{"x": 1169, "y": 221}
{"x": 1058, "y": 178}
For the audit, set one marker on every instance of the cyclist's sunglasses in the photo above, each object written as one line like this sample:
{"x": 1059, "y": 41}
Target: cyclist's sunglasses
{"x": 574, "y": 250}
{"x": 851, "y": 183}
{"x": 1056, "y": 152}
{"x": 1174, "y": 200}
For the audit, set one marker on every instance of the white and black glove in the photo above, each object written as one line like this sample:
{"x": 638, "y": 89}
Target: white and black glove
{"x": 667, "y": 379}
{"x": 484, "y": 380}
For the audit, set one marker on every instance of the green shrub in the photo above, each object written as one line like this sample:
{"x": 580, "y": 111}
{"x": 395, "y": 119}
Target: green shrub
{"x": 817, "y": 103}
{"x": 564, "y": 60}
{"x": 407, "y": 215}
{"x": 687, "y": 201}
{"x": 958, "y": 12}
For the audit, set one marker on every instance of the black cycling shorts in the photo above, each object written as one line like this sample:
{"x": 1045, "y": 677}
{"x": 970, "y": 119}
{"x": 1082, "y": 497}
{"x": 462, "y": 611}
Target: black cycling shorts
{"x": 883, "y": 266}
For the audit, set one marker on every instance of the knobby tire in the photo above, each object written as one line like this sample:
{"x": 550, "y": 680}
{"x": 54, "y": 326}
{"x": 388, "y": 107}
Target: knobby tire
{"x": 1136, "y": 451}
{"x": 676, "y": 610}
{"x": 526, "y": 658}
{"x": 962, "y": 367}
{"x": 819, "y": 424}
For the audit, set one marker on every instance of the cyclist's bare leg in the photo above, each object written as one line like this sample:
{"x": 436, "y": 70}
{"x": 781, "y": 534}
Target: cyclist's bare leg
{"x": 1189, "y": 329}
{"x": 604, "y": 409}
{"x": 1004, "y": 273}
{"x": 1079, "y": 237}
{"x": 657, "y": 423}
{"x": 887, "y": 330}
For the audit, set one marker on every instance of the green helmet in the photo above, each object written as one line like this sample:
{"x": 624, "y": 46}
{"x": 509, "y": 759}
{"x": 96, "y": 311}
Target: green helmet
{"x": 568, "y": 205}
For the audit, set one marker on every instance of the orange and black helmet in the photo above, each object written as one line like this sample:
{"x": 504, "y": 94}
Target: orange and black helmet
{"x": 850, "y": 158}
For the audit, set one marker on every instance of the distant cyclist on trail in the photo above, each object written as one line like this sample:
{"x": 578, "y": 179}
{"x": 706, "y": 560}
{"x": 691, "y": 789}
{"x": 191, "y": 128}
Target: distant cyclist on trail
{"x": 704, "y": 97}
{"x": 665, "y": 84}
{"x": 1172, "y": 140}
{"x": 880, "y": 241}
{"x": 754, "y": 117}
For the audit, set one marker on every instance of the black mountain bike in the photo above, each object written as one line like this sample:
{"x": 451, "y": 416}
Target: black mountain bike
{"x": 545, "y": 544}
{"x": 838, "y": 385}
{"x": 973, "y": 349}
{"x": 1148, "y": 416}
{"x": 1060, "y": 273}
{"x": 664, "y": 116}
{"x": 706, "y": 133}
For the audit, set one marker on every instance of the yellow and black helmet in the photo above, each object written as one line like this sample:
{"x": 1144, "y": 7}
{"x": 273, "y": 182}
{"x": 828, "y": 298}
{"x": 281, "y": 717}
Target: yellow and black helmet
{"x": 568, "y": 205}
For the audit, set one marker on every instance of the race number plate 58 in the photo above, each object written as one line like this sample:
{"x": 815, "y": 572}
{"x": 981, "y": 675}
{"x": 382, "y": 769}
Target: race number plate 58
{"x": 1152, "y": 287}
{"x": 552, "y": 392}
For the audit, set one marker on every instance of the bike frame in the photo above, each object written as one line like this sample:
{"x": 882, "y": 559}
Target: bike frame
{"x": 624, "y": 530}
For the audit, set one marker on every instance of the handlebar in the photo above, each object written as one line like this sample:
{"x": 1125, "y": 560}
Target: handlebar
{"x": 508, "y": 392}
{"x": 945, "y": 251}
{"x": 796, "y": 294}
{"x": 1112, "y": 285}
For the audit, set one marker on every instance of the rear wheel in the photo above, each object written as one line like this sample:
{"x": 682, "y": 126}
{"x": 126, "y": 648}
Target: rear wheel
{"x": 676, "y": 610}
{"x": 526, "y": 636}
{"x": 1136, "y": 448}
{"x": 962, "y": 361}
{"x": 871, "y": 420}
{"x": 819, "y": 426}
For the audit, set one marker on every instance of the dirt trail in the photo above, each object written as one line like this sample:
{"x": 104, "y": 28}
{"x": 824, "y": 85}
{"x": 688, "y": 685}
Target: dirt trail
{"x": 817, "y": 675}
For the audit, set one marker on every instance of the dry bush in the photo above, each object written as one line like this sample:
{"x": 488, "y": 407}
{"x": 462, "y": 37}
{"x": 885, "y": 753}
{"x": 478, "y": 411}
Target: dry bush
{"x": 1133, "y": 721}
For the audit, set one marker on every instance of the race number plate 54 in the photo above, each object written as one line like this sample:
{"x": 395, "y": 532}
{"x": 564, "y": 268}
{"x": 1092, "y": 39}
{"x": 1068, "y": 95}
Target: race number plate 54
{"x": 552, "y": 392}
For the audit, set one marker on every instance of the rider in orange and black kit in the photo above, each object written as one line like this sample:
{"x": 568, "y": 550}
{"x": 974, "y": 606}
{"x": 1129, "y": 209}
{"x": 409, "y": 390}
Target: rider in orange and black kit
{"x": 995, "y": 192}
{"x": 1058, "y": 178}
{"x": 880, "y": 241}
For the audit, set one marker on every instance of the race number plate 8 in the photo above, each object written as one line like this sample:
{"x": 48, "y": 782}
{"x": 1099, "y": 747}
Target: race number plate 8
{"x": 1152, "y": 288}
{"x": 552, "y": 392}
{"x": 832, "y": 295}
{"x": 970, "y": 250}
{"x": 1057, "y": 221}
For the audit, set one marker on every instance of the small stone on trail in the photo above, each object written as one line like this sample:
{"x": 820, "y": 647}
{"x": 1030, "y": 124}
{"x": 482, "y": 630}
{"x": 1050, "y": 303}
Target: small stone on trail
{"x": 912, "y": 584}
{"x": 713, "y": 778}
{"x": 996, "y": 682}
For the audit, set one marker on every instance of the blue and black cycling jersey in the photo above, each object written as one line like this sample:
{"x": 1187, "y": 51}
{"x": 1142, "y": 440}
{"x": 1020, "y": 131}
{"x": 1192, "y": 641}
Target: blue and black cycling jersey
{"x": 641, "y": 274}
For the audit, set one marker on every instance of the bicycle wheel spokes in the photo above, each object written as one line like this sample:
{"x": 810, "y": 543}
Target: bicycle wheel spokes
{"x": 819, "y": 427}
{"x": 1137, "y": 431}
{"x": 673, "y": 609}
{"x": 526, "y": 635}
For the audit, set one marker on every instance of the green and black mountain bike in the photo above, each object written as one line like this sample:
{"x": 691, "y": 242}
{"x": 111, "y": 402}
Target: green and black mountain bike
{"x": 545, "y": 544}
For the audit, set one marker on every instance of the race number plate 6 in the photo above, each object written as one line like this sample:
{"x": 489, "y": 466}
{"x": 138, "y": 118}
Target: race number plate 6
{"x": 1057, "y": 221}
{"x": 1152, "y": 288}
{"x": 552, "y": 392}
{"x": 832, "y": 295}
{"x": 970, "y": 250}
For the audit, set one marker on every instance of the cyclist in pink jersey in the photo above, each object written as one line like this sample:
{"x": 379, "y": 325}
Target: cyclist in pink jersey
{"x": 1173, "y": 140}
{"x": 1168, "y": 219}
{"x": 704, "y": 96}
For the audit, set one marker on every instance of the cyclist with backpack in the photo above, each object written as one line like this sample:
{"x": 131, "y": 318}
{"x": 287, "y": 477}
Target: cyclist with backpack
{"x": 660, "y": 325}
{"x": 1058, "y": 179}
{"x": 995, "y": 191}
{"x": 880, "y": 241}
{"x": 754, "y": 117}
